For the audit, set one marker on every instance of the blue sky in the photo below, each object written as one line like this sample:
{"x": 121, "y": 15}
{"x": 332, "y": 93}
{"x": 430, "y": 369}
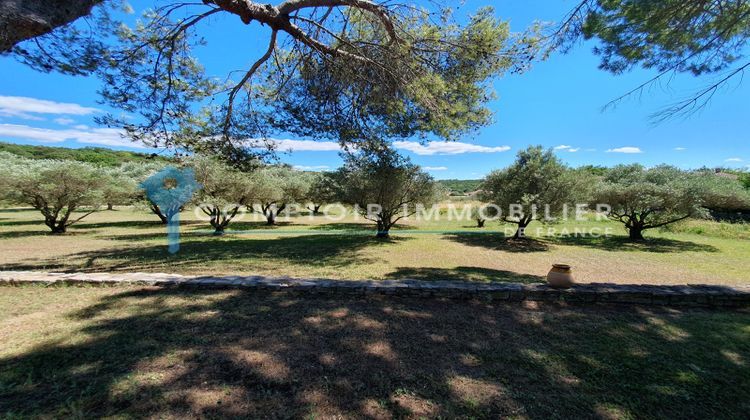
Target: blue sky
{"x": 558, "y": 103}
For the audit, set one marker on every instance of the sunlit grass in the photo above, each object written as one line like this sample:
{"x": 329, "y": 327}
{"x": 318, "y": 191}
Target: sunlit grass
{"x": 313, "y": 246}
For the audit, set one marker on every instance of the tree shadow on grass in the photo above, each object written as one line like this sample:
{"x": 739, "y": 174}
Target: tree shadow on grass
{"x": 221, "y": 252}
{"x": 16, "y": 210}
{"x": 623, "y": 243}
{"x": 23, "y": 233}
{"x": 176, "y": 353}
{"x": 153, "y": 236}
{"x": 45, "y": 233}
{"x": 475, "y": 274}
{"x": 132, "y": 224}
{"x": 16, "y": 222}
{"x": 360, "y": 227}
{"x": 255, "y": 225}
{"x": 498, "y": 241}
{"x": 363, "y": 227}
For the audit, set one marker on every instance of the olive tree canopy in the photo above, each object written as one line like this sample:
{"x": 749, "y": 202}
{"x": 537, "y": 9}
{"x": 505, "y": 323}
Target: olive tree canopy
{"x": 324, "y": 189}
{"x": 139, "y": 172}
{"x": 224, "y": 191}
{"x": 64, "y": 192}
{"x": 275, "y": 188}
{"x": 385, "y": 187}
{"x": 119, "y": 188}
{"x": 536, "y": 186}
{"x": 642, "y": 198}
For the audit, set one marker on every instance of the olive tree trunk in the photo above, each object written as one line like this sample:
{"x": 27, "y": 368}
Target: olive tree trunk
{"x": 521, "y": 230}
{"x": 385, "y": 222}
{"x": 218, "y": 224}
{"x": 315, "y": 209}
{"x": 157, "y": 211}
{"x": 57, "y": 229}
{"x": 384, "y": 229}
{"x": 635, "y": 233}
{"x": 270, "y": 211}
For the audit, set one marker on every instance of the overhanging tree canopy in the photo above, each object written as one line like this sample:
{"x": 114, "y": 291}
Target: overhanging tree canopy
{"x": 339, "y": 69}
{"x": 700, "y": 37}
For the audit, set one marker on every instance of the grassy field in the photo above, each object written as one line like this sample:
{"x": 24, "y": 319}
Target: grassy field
{"x": 160, "y": 353}
{"x": 304, "y": 246}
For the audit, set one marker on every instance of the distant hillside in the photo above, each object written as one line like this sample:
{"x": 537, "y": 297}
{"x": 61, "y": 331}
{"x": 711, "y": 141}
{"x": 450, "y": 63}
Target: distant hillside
{"x": 461, "y": 186}
{"x": 94, "y": 155}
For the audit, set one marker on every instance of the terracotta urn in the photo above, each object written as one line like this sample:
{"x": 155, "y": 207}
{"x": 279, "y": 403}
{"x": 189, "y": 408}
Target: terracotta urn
{"x": 560, "y": 276}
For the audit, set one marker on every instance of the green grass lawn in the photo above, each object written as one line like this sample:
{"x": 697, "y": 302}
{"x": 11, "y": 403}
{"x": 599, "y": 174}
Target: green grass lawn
{"x": 133, "y": 240}
{"x": 77, "y": 352}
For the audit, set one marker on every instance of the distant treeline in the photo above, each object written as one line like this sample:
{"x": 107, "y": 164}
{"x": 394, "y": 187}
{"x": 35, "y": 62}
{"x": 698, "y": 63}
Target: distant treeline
{"x": 94, "y": 155}
{"x": 112, "y": 158}
{"x": 466, "y": 186}
{"x": 461, "y": 186}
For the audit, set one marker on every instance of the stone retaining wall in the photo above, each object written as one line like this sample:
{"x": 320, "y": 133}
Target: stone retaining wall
{"x": 690, "y": 295}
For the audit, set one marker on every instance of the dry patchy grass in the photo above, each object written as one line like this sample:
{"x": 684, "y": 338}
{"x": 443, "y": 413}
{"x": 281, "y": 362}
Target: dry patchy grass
{"x": 161, "y": 353}
{"x": 133, "y": 240}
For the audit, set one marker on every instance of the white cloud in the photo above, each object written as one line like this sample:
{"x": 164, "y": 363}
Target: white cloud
{"x": 103, "y": 136}
{"x": 297, "y": 145}
{"x": 23, "y": 107}
{"x": 734, "y": 159}
{"x": 64, "y": 121}
{"x": 435, "y": 168}
{"x": 447, "y": 148}
{"x": 311, "y": 168}
{"x": 627, "y": 149}
{"x": 307, "y": 145}
{"x": 567, "y": 148}
{"x": 679, "y": 149}
{"x": 434, "y": 148}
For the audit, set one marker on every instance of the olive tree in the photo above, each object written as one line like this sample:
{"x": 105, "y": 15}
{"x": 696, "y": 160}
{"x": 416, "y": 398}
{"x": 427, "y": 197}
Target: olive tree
{"x": 224, "y": 190}
{"x": 385, "y": 187}
{"x": 57, "y": 189}
{"x": 482, "y": 212}
{"x": 324, "y": 189}
{"x": 275, "y": 188}
{"x": 537, "y": 186}
{"x": 744, "y": 179}
{"x": 721, "y": 195}
{"x": 119, "y": 188}
{"x": 8, "y": 164}
{"x": 642, "y": 198}
{"x": 138, "y": 172}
